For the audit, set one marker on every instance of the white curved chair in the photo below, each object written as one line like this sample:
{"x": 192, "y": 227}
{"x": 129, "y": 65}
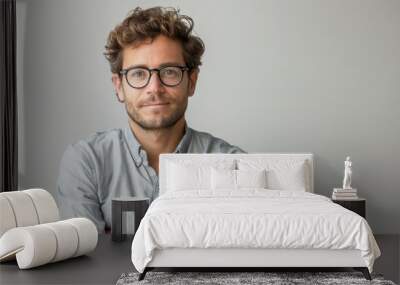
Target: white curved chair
{"x": 31, "y": 233}
{"x": 40, "y": 244}
{"x": 26, "y": 208}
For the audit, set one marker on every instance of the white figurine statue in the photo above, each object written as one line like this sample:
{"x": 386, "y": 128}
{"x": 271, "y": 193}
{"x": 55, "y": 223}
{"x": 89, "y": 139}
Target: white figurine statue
{"x": 347, "y": 174}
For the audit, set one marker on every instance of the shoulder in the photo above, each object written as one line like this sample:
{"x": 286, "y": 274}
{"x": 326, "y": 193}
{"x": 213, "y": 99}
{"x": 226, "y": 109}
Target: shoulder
{"x": 208, "y": 143}
{"x": 90, "y": 148}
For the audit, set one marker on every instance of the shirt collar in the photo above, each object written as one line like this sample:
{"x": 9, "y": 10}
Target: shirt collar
{"x": 135, "y": 147}
{"x": 183, "y": 145}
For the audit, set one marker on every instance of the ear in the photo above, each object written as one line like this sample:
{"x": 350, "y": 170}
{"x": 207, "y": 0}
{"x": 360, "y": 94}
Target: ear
{"x": 193, "y": 75}
{"x": 117, "y": 82}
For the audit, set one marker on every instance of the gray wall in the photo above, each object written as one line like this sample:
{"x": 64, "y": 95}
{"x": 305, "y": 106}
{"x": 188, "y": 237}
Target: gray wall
{"x": 278, "y": 76}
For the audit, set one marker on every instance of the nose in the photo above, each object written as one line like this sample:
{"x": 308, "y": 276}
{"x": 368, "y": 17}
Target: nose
{"x": 155, "y": 84}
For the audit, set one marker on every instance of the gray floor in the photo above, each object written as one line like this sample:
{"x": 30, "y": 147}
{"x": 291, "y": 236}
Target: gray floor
{"x": 106, "y": 264}
{"x": 389, "y": 262}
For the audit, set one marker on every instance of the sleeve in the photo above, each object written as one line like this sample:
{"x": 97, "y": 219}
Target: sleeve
{"x": 77, "y": 187}
{"x": 233, "y": 149}
{"x": 223, "y": 146}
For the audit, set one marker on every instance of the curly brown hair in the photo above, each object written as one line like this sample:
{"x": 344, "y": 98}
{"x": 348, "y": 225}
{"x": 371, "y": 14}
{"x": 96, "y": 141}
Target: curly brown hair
{"x": 141, "y": 25}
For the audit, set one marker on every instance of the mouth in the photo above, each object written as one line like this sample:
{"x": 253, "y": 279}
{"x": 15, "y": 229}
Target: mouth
{"x": 156, "y": 104}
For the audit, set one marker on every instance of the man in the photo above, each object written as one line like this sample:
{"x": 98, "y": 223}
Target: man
{"x": 154, "y": 61}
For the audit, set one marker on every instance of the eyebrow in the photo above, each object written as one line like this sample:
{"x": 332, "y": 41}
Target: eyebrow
{"x": 160, "y": 66}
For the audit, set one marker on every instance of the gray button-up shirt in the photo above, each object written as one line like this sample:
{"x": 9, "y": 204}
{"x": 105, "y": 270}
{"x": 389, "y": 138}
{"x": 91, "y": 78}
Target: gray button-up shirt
{"x": 113, "y": 164}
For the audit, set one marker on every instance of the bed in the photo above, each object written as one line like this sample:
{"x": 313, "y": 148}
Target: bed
{"x": 245, "y": 211}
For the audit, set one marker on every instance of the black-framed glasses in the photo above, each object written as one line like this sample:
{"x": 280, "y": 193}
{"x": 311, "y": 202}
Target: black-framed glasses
{"x": 139, "y": 77}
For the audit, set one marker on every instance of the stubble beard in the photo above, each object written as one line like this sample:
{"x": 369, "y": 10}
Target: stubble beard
{"x": 156, "y": 124}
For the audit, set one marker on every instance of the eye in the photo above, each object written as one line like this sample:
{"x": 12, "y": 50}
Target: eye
{"x": 137, "y": 74}
{"x": 171, "y": 72}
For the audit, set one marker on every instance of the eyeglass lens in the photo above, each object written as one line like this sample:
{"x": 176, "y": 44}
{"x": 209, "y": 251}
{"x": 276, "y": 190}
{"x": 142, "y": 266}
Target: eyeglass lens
{"x": 140, "y": 77}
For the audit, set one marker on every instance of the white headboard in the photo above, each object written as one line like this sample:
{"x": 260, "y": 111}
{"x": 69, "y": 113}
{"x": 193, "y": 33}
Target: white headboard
{"x": 170, "y": 157}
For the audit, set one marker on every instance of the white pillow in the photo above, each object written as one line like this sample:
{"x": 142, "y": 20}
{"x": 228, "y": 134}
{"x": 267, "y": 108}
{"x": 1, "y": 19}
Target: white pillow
{"x": 251, "y": 178}
{"x": 237, "y": 179}
{"x": 223, "y": 179}
{"x": 185, "y": 174}
{"x": 281, "y": 174}
{"x": 183, "y": 178}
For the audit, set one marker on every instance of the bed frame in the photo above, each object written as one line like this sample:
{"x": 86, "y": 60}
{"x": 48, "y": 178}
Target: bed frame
{"x": 244, "y": 259}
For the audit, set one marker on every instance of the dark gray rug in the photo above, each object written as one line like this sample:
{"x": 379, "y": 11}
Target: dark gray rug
{"x": 230, "y": 278}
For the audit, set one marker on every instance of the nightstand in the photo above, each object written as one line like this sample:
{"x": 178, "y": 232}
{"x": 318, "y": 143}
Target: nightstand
{"x": 357, "y": 205}
{"x": 127, "y": 212}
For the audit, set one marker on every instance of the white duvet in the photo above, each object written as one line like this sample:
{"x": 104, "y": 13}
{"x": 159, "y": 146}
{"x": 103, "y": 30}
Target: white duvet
{"x": 251, "y": 218}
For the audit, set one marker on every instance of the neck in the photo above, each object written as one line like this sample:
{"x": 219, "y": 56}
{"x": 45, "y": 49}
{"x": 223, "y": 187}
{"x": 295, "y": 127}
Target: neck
{"x": 158, "y": 141}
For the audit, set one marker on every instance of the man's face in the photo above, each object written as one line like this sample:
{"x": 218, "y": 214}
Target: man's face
{"x": 155, "y": 106}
